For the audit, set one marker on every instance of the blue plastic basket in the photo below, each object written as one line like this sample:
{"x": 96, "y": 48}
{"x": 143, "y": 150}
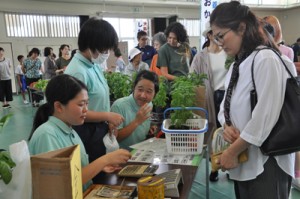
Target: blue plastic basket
{"x": 186, "y": 141}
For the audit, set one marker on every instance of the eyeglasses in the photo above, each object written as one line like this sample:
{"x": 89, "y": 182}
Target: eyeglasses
{"x": 219, "y": 38}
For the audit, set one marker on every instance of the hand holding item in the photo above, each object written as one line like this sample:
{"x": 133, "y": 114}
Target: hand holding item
{"x": 117, "y": 157}
{"x": 230, "y": 134}
{"x": 111, "y": 168}
{"x": 115, "y": 119}
{"x": 143, "y": 114}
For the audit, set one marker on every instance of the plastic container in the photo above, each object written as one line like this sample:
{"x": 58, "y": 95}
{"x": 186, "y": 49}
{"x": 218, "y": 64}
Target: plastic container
{"x": 186, "y": 141}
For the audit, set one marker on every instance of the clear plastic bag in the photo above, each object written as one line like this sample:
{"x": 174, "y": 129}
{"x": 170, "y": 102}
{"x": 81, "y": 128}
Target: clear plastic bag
{"x": 110, "y": 142}
{"x": 21, "y": 184}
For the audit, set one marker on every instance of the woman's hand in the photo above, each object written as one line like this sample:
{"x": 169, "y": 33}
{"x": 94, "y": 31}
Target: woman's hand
{"x": 230, "y": 134}
{"x": 111, "y": 168}
{"x": 115, "y": 119}
{"x": 117, "y": 157}
{"x": 143, "y": 114}
{"x": 228, "y": 160}
{"x": 113, "y": 130}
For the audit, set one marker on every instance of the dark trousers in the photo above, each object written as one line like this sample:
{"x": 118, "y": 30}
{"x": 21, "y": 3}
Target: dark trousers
{"x": 34, "y": 96}
{"x": 92, "y": 135}
{"x": 5, "y": 91}
{"x": 273, "y": 183}
{"x": 218, "y": 97}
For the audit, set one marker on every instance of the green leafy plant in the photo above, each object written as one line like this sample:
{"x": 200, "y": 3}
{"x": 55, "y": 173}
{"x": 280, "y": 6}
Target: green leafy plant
{"x": 6, "y": 163}
{"x": 4, "y": 120}
{"x": 41, "y": 84}
{"x": 161, "y": 96}
{"x": 184, "y": 95}
{"x": 6, "y": 166}
{"x": 120, "y": 85}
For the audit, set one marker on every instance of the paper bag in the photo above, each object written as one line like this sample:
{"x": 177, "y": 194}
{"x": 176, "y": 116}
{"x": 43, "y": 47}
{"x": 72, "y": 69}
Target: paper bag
{"x": 20, "y": 184}
{"x": 57, "y": 174}
{"x": 218, "y": 146}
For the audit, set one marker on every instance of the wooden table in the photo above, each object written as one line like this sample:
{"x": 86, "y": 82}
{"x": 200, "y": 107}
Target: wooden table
{"x": 188, "y": 172}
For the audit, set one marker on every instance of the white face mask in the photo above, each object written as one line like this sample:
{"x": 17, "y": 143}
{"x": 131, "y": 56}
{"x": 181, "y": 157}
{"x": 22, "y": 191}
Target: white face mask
{"x": 100, "y": 59}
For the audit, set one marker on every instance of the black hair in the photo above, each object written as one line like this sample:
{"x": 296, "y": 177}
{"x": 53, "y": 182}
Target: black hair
{"x": 61, "y": 48}
{"x": 298, "y": 40}
{"x": 34, "y": 50}
{"x": 207, "y": 42}
{"x": 97, "y": 34}
{"x": 62, "y": 88}
{"x": 149, "y": 75}
{"x": 47, "y": 51}
{"x": 1, "y": 49}
{"x": 73, "y": 53}
{"x": 20, "y": 57}
{"x": 140, "y": 34}
{"x": 231, "y": 15}
{"x": 117, "y": 52}
{"x": 269, "y": 28}
{"x": 179, "y": 30}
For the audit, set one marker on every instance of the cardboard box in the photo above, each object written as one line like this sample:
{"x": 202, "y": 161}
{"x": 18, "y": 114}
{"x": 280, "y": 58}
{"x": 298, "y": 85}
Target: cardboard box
{"x": 57, "y": 174}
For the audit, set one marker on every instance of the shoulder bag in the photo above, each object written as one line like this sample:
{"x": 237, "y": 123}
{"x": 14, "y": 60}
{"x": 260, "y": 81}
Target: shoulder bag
{"x": 285, "y": 135}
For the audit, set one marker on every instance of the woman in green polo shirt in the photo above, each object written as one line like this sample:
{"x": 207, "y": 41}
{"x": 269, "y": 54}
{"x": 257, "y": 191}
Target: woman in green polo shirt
{"x": 136, "y": 109}
{"x": 174, "y": 57}
{"x": 52, "y": 126}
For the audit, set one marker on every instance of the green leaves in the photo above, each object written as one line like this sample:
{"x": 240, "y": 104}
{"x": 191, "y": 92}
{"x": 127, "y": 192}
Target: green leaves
{"x": 184, "y": 95}
{"x": 4, "y": 120}
{"x": 161, "y": 97}
{"x": 6, "y": 165}
{"x": 41, "y": 84}
{"x": 120, "y": 85}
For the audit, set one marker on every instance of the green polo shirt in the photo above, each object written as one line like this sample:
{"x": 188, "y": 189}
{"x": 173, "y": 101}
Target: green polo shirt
{"x": 128, "y": 108}
{"x": 55, "y": 134}
{"x": 171, "y": 57}
{"x": 92, "y": 76}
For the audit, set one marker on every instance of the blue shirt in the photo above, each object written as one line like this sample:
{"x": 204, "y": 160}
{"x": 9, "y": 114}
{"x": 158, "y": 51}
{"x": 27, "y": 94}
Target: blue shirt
{"x": 128, "y": 108}
{"x": 92, "y": 76}
{"x": 55, "y": 134}
{"x": 148, "y": 53}
{"x": 32, "y": 68}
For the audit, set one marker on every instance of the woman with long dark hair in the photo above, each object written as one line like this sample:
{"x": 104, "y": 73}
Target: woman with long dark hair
{"x": 241, "y": 34}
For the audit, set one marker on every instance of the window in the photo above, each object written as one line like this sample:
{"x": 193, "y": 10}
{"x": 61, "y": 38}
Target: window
{"x": 192, "y": 26}
{"x": 127, "y": 28}
{"x": 28, "y": 25}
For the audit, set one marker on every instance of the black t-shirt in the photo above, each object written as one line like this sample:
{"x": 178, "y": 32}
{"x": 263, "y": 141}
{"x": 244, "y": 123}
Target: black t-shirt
{"x": 296, "y": 49}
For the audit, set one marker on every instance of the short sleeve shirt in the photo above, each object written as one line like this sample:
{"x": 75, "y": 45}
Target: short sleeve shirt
{"x": 148, "y": 53}
{"x": 32, "y": 68}
{"x": 18, "y": 70}
{"x": 55, "y": 134}
{"x": 128, "y": 108}
{"x": 92, "y": 76}
{"x": 130, "y": 69}
{"x": 177, "y": 63}
{"x": 5, "y": 69}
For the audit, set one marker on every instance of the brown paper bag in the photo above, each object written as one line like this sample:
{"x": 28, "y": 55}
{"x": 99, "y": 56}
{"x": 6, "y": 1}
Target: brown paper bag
{"x": 57, "y": 174}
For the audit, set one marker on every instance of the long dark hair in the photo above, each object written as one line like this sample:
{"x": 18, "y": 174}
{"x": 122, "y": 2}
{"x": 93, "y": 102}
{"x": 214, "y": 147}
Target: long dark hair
{"x": 61, "y": 48}
{"x": 232, "y": 14}
{"x": 62, "y": 88}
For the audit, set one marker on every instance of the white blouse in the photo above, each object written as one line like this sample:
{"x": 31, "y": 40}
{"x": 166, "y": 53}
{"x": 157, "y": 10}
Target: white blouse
{"x": 270, "y": 80}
